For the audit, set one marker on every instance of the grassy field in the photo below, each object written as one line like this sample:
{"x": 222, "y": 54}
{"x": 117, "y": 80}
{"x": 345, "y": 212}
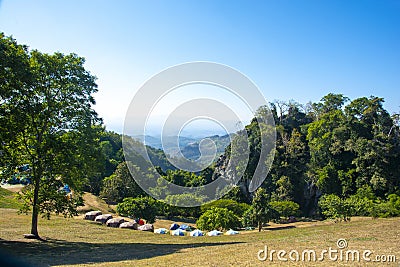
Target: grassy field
{"x": 76, "y": 242}
{"x": 7, "y": 199}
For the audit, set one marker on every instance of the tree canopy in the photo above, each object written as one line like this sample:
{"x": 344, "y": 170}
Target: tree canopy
{"x": 48, "y": 123}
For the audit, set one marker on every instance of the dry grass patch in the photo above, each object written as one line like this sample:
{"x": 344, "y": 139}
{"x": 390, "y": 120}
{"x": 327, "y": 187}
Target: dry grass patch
{"x": 76, "y": 242}
{"x": 93, "y": 202}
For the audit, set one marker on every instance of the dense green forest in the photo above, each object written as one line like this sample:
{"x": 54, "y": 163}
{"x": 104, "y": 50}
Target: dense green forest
{"x": 335, "y": 158}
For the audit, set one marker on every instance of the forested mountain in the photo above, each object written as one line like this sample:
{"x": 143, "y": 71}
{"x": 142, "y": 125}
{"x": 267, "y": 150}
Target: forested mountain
{"x": 112, "y": 155}
{"x": 191, "y": 151}
{"x": 188, "y": 146}
{"x": 167, "y": 142}
{"x": 335, "y": 146}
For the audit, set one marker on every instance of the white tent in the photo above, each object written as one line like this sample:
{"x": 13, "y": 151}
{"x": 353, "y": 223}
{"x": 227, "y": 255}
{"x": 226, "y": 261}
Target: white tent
{"x": 196, "y": 232}
{"x": 178, "y": 232}
{"x": 160, "y": 231}
{"x": 231, "y": 232}
{"x": 214, "y": 233}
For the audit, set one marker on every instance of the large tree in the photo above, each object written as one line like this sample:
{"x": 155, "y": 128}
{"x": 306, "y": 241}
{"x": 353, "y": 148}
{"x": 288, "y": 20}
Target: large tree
{"x": 47, "y": 122}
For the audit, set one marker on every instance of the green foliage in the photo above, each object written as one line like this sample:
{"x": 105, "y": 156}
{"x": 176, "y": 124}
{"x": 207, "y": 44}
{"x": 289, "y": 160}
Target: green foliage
{"x": 185, "y": 200}
{"x": 121, "y": 184}
{"x": 180, "y": 205}
{"x": 237, "y": 194}
{"x": 360, "y": 206}
{"x": 364, "y": 203}
{"x": 8, "y": 199}
{"x": 47, "y": 121}
{"x": 52, "y": 200}
{"x": 184, "y": 178}
{"x": 171, "y": 211}
{"x": 142, "y": 207}
{"x": 389, "y": 208}
{"x": 262, "y": 211}
{"x": 333, "y": 207}
{"x": 286, "y": 208}
{"x": 237, "y": 208}
{"x": 218, "y": 218}
{"x": 248, "y": 218}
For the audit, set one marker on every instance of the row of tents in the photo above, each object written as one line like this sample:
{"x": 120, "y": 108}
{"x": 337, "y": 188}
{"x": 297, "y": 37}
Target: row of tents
{"x": 196, "y": 232}
{"x": 118, "y": 222}
{"x": 181, "y": 230}
{"x": 175, "y": 229}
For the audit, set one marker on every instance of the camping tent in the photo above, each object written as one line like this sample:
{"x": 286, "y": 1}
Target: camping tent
{"x": 129, "y": 225}
{"x": 214, "y": 233}
{"x": 160, "y": 231}
{"x": 178, "y": 232}
{"x": 196, "y": 232}
{"x": 103, "y": 218}
{"x": 231, "y": 232}
{"x": 146, "y": 227}
{"x": 183, "y": 227}
{"x": 190, "y": 228}
{"x": 174, "y": 226}
{"x": 115, "y": 222}
{"x": 91, "y": 215}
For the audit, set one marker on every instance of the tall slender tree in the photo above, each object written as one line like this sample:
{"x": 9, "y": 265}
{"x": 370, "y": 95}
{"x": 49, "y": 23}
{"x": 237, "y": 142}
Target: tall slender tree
{"x": 48, "y": 123}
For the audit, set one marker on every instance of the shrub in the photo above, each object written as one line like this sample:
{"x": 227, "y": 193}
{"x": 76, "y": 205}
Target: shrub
{"x": 142, "y": 207}
{"x": 218, "y": 218}
{"x": 333, "y": 207}
{"x": 389, "y": 208}
{"x": 232, "y": 205}
{"x": 185, "y": 200}
{"x": 285, "y": 208}
{"x": 248, "y": 220}
{"x": 360, "y": 206}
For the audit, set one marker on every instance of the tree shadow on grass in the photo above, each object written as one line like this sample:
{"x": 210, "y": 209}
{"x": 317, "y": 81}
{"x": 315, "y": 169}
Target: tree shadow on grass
{"x": 61, "y": 252}
{"x": 280, "y": 228}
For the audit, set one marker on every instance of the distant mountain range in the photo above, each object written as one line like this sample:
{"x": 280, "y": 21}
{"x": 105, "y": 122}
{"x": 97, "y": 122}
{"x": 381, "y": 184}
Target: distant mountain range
{"x": 188, "y": 146}
{"x": 169, "y": 141}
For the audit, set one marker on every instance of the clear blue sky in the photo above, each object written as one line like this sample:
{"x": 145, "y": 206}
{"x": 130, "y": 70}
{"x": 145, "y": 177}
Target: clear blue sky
{"x": 298, "y": 50}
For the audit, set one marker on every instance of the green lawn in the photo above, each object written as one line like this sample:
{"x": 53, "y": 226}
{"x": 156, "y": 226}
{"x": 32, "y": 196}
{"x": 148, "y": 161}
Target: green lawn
{"x": 7, "y": 199}
{"x": 75, "y": 241}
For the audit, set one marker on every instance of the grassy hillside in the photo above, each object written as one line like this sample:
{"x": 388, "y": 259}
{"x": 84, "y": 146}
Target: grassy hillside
{"x": 7, "y": 199}
{"x": 93, "y": 202}
{"x": 75, "y": 241}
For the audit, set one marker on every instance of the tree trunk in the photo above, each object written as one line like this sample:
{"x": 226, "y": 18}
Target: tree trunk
{"x": 259, "y": 226}
{"x": 35, "y": 208}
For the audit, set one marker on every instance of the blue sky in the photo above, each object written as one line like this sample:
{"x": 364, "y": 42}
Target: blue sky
{"x": 299, "y": 50}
